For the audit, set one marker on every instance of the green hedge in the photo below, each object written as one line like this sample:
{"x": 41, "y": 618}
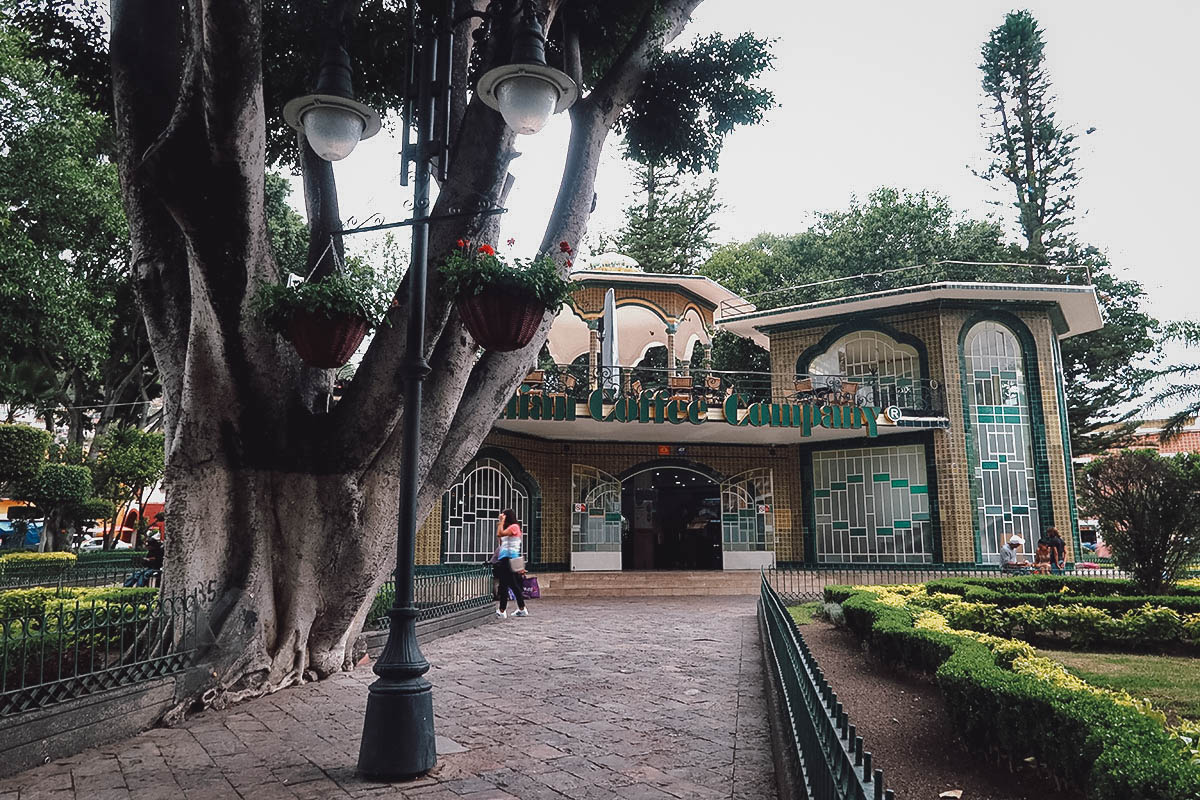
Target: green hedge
{"x": 1050, "y": 585}
{"x": 35, "y": 601}
{"x": 1111, "y": 751}
{"x": 52, "y": 559}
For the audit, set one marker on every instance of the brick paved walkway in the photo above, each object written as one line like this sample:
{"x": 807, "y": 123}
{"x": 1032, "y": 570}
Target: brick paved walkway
{"x": 638, "y": 698}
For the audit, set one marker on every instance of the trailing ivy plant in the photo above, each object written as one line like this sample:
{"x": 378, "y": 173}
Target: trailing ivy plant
{"x": 471, "y": 271}
{"x": 357, "y": 291}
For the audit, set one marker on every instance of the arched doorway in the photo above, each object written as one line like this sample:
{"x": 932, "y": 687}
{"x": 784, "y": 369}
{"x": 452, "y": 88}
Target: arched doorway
{"x": 671, "y": 518}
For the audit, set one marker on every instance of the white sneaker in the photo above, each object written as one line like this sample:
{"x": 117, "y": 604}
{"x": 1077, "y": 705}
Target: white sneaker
{"x": 502, "y": 614}
{"x": 521, "y": 613}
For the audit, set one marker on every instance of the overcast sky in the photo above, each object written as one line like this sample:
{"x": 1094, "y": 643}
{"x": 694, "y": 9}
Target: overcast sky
{"x": 879, "y": 92}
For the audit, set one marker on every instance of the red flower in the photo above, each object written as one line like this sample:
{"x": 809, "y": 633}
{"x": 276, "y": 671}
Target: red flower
{"x": 511, "y": 242}
{"x": 568, "y": 262}
{"x": 463, "y": 242}
{"x": 563, "y": 247}
{"x": 487, "y": 249}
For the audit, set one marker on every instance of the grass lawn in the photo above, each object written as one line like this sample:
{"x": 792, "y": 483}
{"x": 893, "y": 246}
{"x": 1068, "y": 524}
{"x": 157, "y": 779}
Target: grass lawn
{"x": 804, "y": 614}
{"x": 1170, "y": 682}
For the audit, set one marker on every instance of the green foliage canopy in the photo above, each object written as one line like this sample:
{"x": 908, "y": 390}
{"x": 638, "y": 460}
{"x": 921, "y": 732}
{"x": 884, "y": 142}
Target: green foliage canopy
{"x": 693, "y": 97}
{"x": 22, "y": 452}
{"x": 672, "y": 230}
{"x": 128, "y": 461}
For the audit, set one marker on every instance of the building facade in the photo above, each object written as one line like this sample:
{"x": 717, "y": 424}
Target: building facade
{"x": 919, "y": 423}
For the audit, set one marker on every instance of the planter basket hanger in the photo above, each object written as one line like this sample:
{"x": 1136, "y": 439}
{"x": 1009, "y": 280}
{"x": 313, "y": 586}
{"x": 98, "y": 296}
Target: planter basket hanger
{"x": 322, "y": 340}
{"x": 501, "y": 318}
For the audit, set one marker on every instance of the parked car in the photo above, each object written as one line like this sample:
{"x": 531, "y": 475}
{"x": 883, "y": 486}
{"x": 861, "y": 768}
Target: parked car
{"x": 92, "y": 543}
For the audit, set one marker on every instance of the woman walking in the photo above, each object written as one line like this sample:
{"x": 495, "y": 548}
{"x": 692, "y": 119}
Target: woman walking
{"x": 509, "y": 563}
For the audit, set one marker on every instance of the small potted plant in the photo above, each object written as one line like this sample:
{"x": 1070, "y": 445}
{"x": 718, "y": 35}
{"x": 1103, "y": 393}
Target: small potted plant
{"x": 325, "y": 319}
{"x": 500, "y": 303}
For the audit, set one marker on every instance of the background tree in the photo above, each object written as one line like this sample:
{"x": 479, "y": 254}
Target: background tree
{"x": 1181, "y": 382}
{"x": 1033, "y": 156}
{"x": 670, "y": 228}
{"x": 72, "y": 338}
{"x": 257, "y": 468}
{"x": 129, "y": 462}
{"x": 56, "y": 490}
{"x": 22, "y": 453}
{"x": 1148, "y": 514}
{"x": 890, "y": 229}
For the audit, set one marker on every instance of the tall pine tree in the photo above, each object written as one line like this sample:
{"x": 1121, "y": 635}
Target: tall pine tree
{"x": 1033, "y": 156}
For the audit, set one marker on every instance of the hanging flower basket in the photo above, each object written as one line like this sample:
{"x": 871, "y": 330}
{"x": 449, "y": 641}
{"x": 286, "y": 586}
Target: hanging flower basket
{"x": 501, "y": 303}
{"x": 326, "y": 319}
{"x": 501, "y": 318}
{"x": 325, "y": 341}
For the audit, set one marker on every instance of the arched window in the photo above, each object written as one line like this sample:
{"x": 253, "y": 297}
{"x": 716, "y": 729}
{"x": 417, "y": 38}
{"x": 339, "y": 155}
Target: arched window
{"x": 471, "y": 506}
{"x": 1005, "y": 490}
{"x": 884, "y": 370}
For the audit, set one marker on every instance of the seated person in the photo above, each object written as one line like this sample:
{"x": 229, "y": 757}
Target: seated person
{"x": 1010, "y": 556}
{"x": 1042, "y": 558}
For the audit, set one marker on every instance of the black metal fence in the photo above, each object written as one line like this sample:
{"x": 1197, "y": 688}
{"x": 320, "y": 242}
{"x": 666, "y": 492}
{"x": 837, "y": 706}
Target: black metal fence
{"x": 85, "y": 571}
{"x": 805, "y": 584}
{"x": 72, "y": 648}
{"x": 437, "y": 591}
{"x": 825, "y": 749}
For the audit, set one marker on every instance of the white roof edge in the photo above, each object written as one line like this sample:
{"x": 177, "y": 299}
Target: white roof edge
{"x": 1077, "y": 303}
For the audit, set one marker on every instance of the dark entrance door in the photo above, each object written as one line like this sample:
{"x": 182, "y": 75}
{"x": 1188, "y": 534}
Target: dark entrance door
{"x": 672, "y": 520}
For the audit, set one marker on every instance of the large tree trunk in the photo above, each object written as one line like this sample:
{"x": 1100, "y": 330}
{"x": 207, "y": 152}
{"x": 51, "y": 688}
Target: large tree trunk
{"x": 281, "y": 516}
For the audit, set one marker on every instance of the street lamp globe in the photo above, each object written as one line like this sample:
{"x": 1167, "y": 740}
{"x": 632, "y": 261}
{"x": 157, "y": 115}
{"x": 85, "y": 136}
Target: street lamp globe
{"x": 526, "y": 101}
{"x": 333, "y": 122}
{"x": 332, "y": 132}
{"x": 526, "y": 91}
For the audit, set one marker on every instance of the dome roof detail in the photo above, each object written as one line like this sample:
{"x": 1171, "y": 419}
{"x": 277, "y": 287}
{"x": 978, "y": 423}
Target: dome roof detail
{"x": 608, "y": 262}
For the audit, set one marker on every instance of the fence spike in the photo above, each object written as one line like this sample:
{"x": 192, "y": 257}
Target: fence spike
{"x": 878, "y": 784}
{"x": 858, "y": 751}
{"x": 866, "y": 767}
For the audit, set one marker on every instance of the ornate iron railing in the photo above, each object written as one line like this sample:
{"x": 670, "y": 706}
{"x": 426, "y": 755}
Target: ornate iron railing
{"x": 73, "y": 648}
{"x": 825, "y": 749}
{"x": 83, "y": 572}
{"x": 906, "y": 277}
{"x": 915, "y": 397}
{"x": 437, "y": 591}
{"x": 805, "y": 584}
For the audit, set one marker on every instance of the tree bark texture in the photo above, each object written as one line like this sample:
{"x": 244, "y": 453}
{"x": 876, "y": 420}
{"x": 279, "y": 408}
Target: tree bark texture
{"x": 281, "y": 515}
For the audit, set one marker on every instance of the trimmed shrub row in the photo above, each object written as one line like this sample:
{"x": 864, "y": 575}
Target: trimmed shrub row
{"x": 40, "y": 600}
{"x": 1053, "y": 585}
{"x": 1111, "y": 751}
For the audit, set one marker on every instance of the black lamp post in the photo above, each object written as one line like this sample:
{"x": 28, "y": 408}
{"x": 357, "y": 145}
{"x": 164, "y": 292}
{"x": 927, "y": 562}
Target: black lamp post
{"x": 398, "y": 738}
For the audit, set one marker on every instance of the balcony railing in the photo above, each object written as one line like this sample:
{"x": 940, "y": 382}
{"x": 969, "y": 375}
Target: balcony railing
{"x": 906, "y": 277}
{"x": 915, "y": 397}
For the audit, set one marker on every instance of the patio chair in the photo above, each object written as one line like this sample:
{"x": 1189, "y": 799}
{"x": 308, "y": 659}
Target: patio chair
{"x": 681, "y": 388}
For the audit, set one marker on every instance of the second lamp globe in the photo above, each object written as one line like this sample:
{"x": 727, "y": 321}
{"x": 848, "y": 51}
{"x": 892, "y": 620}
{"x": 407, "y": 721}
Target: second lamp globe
{"x": 332, "y": 132}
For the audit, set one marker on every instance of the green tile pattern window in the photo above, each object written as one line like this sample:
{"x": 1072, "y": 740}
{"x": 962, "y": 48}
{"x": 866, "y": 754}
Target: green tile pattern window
{"x": 748, "y": 512}
{"x": 872, "y": 506}
{"x": 595, "y": 511}
{"x": 471, "y": 507}
{"x": 1005, "y": 492}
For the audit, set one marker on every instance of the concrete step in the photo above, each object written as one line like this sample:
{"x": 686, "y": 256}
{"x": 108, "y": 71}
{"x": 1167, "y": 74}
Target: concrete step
{"x": 648, "y": 584}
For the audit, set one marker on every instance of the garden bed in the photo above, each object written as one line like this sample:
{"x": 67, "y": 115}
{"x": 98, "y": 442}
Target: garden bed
{"x": 1008, "y": 701}
{"x": 902, "y": 716}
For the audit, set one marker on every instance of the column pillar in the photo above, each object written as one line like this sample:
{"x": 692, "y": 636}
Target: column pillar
{"x": 593, "y": 355}
{"x": 671, "y": 328}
